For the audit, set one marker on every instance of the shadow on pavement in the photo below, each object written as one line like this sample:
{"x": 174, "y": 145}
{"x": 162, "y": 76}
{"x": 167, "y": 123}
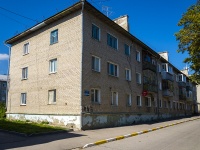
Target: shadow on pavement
{"x": 9, "y": 140}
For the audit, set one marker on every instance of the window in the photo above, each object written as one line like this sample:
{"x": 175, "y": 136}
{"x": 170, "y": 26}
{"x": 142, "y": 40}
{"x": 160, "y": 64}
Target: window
{"x": 25, "y": 73}
{"x": 128, "y": 74}
{"x": 127, "y": 50}
{"x": 159, "y": 69}
{"x": 164, "y": 68}
{"x": 54, "y": 37}
{"x": 112, "y": 41}
{"x": 153, "y": 62}
{"x": 26, "y": 48}
{"x": 129, "y": 99}
{"x": 165, "y": 104}
{"x": 96, "y": 63}
{"x": 52, "y": 96}
{"x": 23, "y": 98}
{"x": 139, "y": 102}
{"x": 95, "y": 95}
{"x": 181, "y": 78}
{"x": 3, "y": 84}
{"x": 160, "y": 85}
{"x": 95, "y": 32}
{"x": 148, "y": 101}
{"x": 114, "y": 100}
{"x": 53, "y": 66}
{"x": 112, "y": 69}
{"x": 160, "y": 103}
{"x": 138, "y": 78}
{"x": 138, "y": 56}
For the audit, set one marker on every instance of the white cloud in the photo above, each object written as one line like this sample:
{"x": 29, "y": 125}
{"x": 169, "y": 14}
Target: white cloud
{"x": 4, "y": 56}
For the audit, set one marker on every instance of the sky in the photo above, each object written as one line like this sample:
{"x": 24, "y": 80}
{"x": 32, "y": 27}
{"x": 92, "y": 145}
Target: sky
{"x": 154, "y": 22}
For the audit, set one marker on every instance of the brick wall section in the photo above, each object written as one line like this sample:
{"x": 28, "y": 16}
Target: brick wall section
{"x": 102, "y": 80}
{"x": 67, "y": 80}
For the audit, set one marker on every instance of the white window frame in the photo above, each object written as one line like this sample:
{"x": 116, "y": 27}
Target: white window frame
{"x": 111, "y": 44}
{"x": 114, "y": 102}
{"x": 95, "y": 95}
{"x": 129, "y": 99}
{"x": 23, "y": 99}
{"x": 53, "y": 65}
{"x": 140, "y": 100}
{"x": 149, "y": 101}
{"x": 96, "y": 63}
{"x": 128, "y": 74}
{"x": 94, "y": 36}
{"x": 160, "y": 85}
{"x": 116, "y": 72}
{"x": 129, "y": 50}
{"x": 54, "y": 38}
{"x": 53, "y": 100}
{"x": 138, "y": 56}
{"x": 24, "y": 73}
{"x": 138, "y": 77}
{"x": 26, "y": 48}
{"x": 159, "y": 68}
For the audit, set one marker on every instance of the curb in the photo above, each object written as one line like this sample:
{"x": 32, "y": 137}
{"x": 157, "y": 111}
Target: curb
{"x": 133, "y": 134}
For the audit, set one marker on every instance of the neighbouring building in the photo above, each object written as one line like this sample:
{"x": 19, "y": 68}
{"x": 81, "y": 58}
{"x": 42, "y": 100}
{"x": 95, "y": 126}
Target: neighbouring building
{"x": 3, "y": 88}
{"x": 83, "y": 70}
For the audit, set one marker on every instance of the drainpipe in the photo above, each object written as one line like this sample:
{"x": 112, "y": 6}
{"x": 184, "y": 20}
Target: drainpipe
{"x": 8, "y": 74}
{"x": 81, "y": 103}
{"x": 158, "y": 103}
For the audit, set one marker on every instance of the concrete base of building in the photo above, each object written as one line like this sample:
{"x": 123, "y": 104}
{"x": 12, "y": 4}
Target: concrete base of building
{"x": 70, "y": 121}
{"x": 93, "y": 121}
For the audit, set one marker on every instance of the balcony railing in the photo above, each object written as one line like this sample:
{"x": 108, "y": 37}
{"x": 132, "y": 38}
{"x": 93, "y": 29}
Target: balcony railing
{"x": 181, "y": 84}
{"x": 182, "y": 96}
{"x": 188, "y": 88}
{"x": 150, "y": 88}
{"x": 149, "y": 66}
{"x": 188, "y": 98}
{"x": 167, "y": 93}
{"x": 167, "y": 76}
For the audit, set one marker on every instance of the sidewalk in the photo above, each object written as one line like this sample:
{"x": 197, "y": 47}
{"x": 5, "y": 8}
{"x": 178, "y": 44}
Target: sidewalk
{"x": 78, "y": 139}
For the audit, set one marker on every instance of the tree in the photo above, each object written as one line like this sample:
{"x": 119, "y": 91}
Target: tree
{"x": 189, "y": 39}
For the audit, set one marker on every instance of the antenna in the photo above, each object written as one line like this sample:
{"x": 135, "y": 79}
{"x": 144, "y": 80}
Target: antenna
{"x": 106, "y": 10}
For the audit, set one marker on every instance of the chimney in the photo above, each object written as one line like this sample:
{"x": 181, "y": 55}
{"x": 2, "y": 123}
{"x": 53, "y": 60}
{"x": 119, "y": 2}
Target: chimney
{"x": 123, "y": 22}
{"x": 165, "y": 55}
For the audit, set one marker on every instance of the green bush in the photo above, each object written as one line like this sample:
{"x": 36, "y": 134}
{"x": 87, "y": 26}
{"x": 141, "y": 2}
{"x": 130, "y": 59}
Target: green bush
{"x": 2, "y": 110}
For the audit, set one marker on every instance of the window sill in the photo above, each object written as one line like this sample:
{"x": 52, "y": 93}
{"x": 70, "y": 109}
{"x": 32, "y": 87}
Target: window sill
{"x": 98, "y": 40}
{"x": 95, "y": 71}
{"x": 116, "y": 49}
{"x": 128, "y": 105}
{"x": 114, "y": 105}
{"x": 53, "y": 43}
{"x": 52, "y": 104}
{"x": 113, "y": 76}
{"x": 96, "y": 103}
{"x": 139, "y": 83}
{"x": 22, "y": 104}
{"x": 24, "y": 79}
{"x": 52, "y": 73}
{"x": 25, "y": 54}
{"x": 148, "y": 106}
{"x": 139, "y": 106}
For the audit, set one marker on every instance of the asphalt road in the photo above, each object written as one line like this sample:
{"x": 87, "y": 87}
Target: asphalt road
{"x": 185, "y": 136}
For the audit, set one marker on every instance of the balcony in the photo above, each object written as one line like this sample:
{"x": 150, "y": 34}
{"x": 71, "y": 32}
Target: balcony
{"x": 188, "y": 86}
{"x": 150, "y": 88}
{"x": 148, "y": 66}
{"x": 167, "y": 76}
{"x": 182, "y": 96}
{"x": 188, "y": 98}
{"x": 167, "y": 93}
{"x": 181, "y": 84}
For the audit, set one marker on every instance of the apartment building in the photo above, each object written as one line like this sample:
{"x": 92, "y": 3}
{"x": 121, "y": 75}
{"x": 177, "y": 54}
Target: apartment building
{"x": 80, "y": 69}
{"x": 3, "y": 88}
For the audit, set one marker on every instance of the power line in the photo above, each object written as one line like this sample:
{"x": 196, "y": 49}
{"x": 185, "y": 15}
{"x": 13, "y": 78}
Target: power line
{"x": 18, "y": 14}
{"x": 14, "y": 20}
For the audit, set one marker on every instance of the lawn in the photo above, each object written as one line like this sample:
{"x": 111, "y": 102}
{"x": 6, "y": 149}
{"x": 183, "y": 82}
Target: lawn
{"x": 28, "y": 128}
